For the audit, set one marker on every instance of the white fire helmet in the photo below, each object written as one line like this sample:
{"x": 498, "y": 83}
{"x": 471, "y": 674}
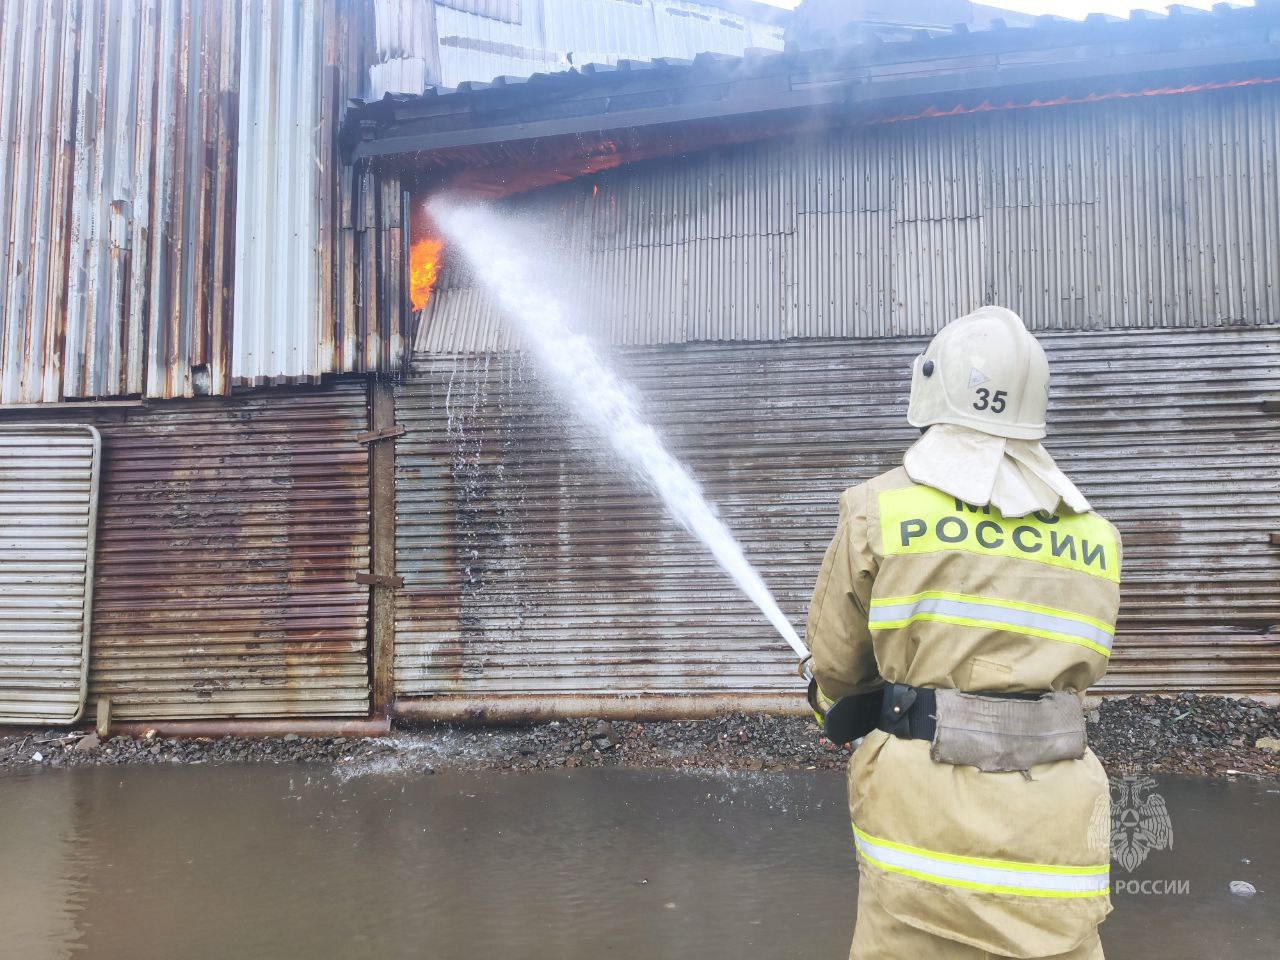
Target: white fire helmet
{"x": 983, "y": 371}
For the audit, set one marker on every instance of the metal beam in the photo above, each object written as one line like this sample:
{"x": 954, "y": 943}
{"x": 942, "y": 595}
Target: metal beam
{"x": 382, "y": 546}
{"x": 594, "y": 123}
{"x": 370, "y": 727}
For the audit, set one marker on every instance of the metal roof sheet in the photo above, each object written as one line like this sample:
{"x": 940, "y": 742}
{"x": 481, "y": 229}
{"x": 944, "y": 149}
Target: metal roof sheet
{"x": 455, "y": 42}
{"x": 924, "y": 41}
{"x": 484, "y": 124}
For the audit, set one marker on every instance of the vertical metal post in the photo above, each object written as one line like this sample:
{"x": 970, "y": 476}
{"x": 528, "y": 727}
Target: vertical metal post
{"x": 104, "y": 718}
{"x": 382, "y": 544}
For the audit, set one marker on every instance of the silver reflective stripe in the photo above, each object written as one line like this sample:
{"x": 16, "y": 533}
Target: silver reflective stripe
{"x": 1055, "y": 624}
{"x": 992, "y": 876}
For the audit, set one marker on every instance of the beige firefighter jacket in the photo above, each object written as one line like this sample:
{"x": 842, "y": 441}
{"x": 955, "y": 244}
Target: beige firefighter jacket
{"x": 919, "y": 588}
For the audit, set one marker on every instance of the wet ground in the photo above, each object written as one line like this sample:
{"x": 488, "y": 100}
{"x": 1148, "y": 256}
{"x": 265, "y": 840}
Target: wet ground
{"x": 318, "y": 861}
{"x": 1188, "y": 735}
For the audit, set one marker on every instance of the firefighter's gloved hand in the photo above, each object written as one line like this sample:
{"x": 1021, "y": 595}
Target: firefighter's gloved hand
{"x": 805, "y": 670}
{"x": 812, "y": 695}
{"x": 846, "y": 720}
{"x": 817, "y": 701}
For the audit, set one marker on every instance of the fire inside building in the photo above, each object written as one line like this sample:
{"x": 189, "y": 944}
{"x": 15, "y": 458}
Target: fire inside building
{"x": 268, "y": 455}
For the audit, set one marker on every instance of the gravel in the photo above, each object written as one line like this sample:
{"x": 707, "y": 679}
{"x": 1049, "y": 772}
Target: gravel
{"x": 1191, "y": 735}
{"x": 1187, "y": 734}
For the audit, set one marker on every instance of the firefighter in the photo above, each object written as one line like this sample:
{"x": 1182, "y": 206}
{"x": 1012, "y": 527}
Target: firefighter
{"x": 967, "y": 601}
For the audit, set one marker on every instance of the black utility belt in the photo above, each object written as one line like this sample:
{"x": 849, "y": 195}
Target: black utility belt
{"x": 995, "y": 732}
{"x": 898, "y": 708}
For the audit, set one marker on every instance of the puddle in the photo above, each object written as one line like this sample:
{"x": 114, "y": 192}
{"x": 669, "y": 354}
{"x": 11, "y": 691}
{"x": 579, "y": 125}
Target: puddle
{"x": 298, "y": 862}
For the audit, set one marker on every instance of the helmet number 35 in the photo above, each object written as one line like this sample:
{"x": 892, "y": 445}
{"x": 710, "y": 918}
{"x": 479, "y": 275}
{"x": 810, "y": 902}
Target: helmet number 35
{"x": 987, "y": 399}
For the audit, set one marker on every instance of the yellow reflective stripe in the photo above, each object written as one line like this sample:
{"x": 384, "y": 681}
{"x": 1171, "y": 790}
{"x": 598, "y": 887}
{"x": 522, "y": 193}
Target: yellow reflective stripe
{"x": 919, "y": 519}
{"x": 1029, "y": 619}
{"x": 985, "y": 887}
{"x": 980, "y": 873}
{"x": 991, "y": 601}
{"x": 1017, "y": 865}
{"x": 995, "y": 625}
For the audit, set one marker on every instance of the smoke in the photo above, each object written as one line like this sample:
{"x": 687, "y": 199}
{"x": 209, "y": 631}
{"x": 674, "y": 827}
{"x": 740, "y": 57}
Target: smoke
{"x": 599, "y": 398}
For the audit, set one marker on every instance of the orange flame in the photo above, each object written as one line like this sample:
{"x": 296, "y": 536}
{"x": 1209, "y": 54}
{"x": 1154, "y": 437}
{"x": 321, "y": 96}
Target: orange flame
{"x": 424, "y": 262}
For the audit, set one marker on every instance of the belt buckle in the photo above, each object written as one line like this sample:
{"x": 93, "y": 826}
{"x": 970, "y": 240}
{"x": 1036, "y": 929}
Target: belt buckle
{"x": 898, "y": 712}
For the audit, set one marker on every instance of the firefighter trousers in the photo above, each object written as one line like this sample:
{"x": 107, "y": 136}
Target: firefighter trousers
{"x": 880, "y": 936}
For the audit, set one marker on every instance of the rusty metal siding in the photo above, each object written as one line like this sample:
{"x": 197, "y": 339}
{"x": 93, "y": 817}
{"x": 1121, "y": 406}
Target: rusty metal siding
{"x": 230, "y": 535}
{"x": 37, "y": 115}
{"x": 277, "y": 326}
{"x": 317, "y": 242}
{"x": 532, "y": 567}
{"x": 48, "y": 516}
{"x": 1131, "y": 213}
{"x": 110, "y": 117}
{"x": 179, "y": 220}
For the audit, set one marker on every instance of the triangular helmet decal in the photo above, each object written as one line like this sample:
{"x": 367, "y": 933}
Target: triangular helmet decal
{"x": 976, "y": 377}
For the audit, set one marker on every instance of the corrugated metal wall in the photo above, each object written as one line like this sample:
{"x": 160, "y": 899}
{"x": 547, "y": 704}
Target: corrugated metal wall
{"x": 406, "y": 58}
{"x": 278, "y": 178}
{"x": 479, "y": 40}
{"x": 48, "y": 515}
{"x": 179, "y": 218}
{"x": 230, "y": 535}
{"x": 1144, "y": 212}
{"x": 317, "y": 247}
{"x": 114, "y": 209}
{"x": 532, "y": 567}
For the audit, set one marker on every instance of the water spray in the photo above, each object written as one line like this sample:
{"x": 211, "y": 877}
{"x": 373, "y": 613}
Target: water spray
{"x": 599, "y": 397}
